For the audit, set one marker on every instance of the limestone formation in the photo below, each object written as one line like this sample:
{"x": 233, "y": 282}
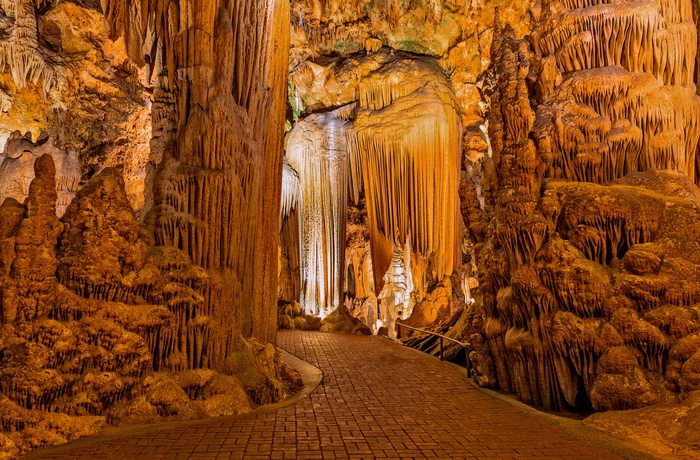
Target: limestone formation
{"x": 317, "y": 150}
{"x": 587, "y": 230}
{"x": 60, "y": 73}
{"x": 107, "y": 321}
{"x": 408, "y": 138}
{"x": 99, "y": 327}
{"x": 17, "y": 169}
{"x": 218, "y": 186}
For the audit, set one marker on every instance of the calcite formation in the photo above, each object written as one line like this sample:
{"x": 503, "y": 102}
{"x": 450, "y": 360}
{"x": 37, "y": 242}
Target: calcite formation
{"x": 60, "y": 73}
{"x": 100, "y": 327}
{"x": 408, "y": 137}
{"x": 218, "y": 185}
{"x": 587, "y": 233}
{"x": 108, "y": 321}
{"x": 289, "y": 258}
{"x": 317, "y": 150}
{"x": 17, "y": 169}
{"x": 394, "y": 145}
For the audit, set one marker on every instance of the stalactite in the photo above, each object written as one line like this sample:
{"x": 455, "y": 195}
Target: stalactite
{"x": 317, "y": 150}
{"x": 407, "y": 112}
{"x": 630, "y": 69}
{"x": 218, "y": 186}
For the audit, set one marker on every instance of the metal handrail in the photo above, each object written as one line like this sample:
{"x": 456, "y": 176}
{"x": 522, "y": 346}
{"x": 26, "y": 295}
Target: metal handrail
{"x": 465, "y": 345}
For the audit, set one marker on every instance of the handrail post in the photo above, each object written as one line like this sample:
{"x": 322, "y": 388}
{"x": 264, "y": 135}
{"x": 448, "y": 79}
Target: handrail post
{"x": 442, "y": 356}
{"x": 468, "y": 361}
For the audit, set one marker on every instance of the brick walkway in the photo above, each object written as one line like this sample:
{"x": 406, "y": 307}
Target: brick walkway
{"x": 377, "y": 400}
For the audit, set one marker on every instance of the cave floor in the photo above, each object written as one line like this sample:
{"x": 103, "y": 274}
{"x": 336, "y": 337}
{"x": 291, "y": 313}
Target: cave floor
{"x": 377, "y": 400}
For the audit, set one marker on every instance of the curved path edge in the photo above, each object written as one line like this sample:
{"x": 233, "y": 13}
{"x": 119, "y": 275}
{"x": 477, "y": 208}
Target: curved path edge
{"x": 311, "y": 377}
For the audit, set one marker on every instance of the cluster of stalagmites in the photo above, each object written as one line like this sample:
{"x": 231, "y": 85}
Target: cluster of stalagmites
{"x": 591, "y": 292}
{"x": 98, "y": 326}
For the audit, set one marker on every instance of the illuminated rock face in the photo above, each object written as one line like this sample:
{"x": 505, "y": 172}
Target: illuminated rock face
{"x": 628, "y": 100}
{"x": 17, "y": 169}
{"x": 60, "y": 73}
{"x": 317, "y": 150}
{"x": 590, "y": 286}
{"x": 400, "y": 148}
{"x": 408, "y": 139}
{"x": 106, "y": 320}
{"x": 218, "y": 185}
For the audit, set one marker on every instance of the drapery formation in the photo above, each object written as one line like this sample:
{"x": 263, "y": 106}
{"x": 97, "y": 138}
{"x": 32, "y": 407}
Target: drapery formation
{"x": 408, "y": 137}
{"x": 221, "y": 70}
{"x": 399, "y": 145}
{"x": 317, "y": 150}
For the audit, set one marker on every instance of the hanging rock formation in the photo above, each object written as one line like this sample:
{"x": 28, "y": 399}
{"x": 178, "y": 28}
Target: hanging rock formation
{"x": 317, "y": 150}
{"x": 590, "y": 291}
{"x": 218, "y": 186}
{"x": 408, "y": 138}
{"x": 396, "y": 140}
{"x": 338, "y": 48}
{"x": 289, "y": 263}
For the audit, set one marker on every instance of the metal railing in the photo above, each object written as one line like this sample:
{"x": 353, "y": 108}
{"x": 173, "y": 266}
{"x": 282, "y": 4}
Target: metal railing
{"x": 465, "y": 345}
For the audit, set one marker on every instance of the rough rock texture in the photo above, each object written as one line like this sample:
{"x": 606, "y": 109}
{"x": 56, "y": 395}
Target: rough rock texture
{"x": 349, "y": 55}
{"x": 98, "y": 327}
{"x": 590, "y": 291}
{"x": 669, "y": 430}
{"x": 218, "y": 185}
{"x": 59, "y": 72}
{"x": 17, "y": 169}
{"x": 119, "y": 323}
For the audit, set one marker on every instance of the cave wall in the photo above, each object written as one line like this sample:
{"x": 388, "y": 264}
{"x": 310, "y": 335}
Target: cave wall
{"x": 60, "y": 73}
{"x": 108, "y": 320}
{"x": 589, "y": 285}
{"x": 227, "y": 84}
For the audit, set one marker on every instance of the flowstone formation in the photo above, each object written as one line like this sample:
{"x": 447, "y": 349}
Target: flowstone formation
{"x": 317, "y": 151}
{"x": 17, "y": 169}
{"x": 338, "y": 49}
{"x": 396, "y": 149}
{"x": 60, "y": 73}
{"x": 587, "y": 234}
{"x": 99, "y": 327}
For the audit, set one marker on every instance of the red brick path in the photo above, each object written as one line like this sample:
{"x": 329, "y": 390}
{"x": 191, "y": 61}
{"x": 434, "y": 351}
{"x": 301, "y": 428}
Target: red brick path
{"x": 377, "y": 400}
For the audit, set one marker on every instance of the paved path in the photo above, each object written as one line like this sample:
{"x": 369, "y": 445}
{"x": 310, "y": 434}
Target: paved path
{"x": 377, "y": 400}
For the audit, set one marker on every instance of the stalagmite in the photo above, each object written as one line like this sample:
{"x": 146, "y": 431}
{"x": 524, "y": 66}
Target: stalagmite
{"x": 17, "y": 169}
{"x": 587, "y": 286}
{"x": 104, "y": 320}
